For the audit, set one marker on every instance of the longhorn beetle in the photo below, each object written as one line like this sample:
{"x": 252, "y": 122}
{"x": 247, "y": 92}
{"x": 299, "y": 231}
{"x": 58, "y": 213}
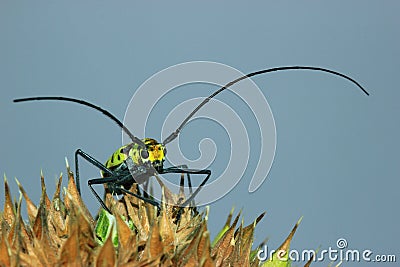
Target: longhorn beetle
{"x": 137, "y": 161}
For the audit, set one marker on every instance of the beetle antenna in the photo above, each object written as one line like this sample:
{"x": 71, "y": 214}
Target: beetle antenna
{"x": 85, "y": 103}
{"x": 175, "y": 134}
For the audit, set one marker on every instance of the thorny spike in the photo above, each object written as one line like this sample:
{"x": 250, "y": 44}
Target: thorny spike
{"x": 259, "y": 218}
{"x": 285, "y": 245}
{"x": 163, "y": 199}
{"x": 299, "y": 221}
{"x": 263, "y": 242}
{"x": 19, "y": 202}
{"x": 207, "y": 213}
{"x": 67, "y": 164}
{"x": 8, "y": 211}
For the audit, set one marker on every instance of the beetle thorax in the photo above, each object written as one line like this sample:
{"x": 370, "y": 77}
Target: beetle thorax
{"x": 157, "y": 152}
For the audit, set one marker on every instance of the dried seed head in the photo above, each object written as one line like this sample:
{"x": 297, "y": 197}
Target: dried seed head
{"x": 61, "y": 231}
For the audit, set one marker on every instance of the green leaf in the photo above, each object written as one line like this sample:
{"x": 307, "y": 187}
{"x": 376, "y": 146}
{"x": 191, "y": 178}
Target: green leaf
{"x": 104, "y": 226}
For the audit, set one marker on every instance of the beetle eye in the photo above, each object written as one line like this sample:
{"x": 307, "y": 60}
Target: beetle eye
{"x": 144, "y": 154}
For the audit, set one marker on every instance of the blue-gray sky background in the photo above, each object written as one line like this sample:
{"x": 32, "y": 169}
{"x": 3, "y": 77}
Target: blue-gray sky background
{"x": 337, "y": 157}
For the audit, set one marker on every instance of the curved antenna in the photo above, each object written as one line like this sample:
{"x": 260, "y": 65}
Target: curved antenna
{"x": 85, "y": 103}
{"x": 175, "y": 134}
